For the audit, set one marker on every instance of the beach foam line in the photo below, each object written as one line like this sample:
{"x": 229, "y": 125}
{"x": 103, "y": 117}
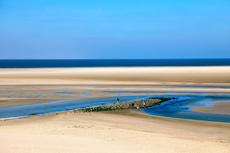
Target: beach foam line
{"x": 12, "y": 118}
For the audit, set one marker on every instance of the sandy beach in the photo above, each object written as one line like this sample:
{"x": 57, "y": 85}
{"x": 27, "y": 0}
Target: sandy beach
{"x": 102, "y": 76}
{"x": 97, "y": 80}
{"x": 116, "y": 75}
{"x": 218, "y": 108}
{"x": 116, "y": 131}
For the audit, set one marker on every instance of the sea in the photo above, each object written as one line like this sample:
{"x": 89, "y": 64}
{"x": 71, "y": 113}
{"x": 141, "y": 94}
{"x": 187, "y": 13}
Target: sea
{"x": 62, "y": 63}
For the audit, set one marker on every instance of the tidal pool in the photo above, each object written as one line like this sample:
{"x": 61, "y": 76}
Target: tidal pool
{"x": 182, "y": 107}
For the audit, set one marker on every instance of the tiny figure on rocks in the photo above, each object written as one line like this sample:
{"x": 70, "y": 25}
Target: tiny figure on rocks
{"x": 144, "y": 105}
{"x": 132, "y": 105}
{"x": 117, "y": 100}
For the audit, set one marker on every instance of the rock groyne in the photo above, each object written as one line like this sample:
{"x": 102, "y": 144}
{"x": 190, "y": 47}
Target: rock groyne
{"x": 149, "y": 102}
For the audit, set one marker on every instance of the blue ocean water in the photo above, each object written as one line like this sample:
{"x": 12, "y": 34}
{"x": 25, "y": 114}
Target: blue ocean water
{"x": 55, "y": 63}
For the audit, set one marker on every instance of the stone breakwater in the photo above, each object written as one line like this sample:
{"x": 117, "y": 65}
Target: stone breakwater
{"x": 125, "y": 105}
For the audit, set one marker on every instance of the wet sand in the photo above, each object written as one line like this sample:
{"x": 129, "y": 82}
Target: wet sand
{"x": 218, "y": 108}
{"x": 16, "y": 95}
{"x": 96, "y": 80}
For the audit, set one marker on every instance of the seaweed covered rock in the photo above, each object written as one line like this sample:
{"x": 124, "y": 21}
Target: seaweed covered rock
{"x": 149, "y": 102}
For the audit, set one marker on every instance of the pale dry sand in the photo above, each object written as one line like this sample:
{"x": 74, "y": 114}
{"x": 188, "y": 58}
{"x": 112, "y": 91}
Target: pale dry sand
{"x": 117, "y": 131}
{"x": 117, "y": 75}
{"x": 218, "y": 108}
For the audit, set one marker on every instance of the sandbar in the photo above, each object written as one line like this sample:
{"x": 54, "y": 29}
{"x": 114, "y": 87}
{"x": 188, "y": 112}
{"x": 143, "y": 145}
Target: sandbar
{"x": 218, "y": 108}
{"x": 116, "y": 75}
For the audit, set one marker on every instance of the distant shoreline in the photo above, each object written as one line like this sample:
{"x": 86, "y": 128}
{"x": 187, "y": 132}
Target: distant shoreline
{"x": 77, "y": 63}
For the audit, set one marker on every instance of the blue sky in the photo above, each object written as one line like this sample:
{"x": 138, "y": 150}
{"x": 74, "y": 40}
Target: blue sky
{"x": 114, "y": 29}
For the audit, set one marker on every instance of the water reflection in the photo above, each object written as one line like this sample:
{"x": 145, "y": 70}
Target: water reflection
{"x": 181, "y": 108}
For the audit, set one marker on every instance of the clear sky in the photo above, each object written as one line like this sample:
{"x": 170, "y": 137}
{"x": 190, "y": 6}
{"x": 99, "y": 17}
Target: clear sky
{"x": 114, "y": 29}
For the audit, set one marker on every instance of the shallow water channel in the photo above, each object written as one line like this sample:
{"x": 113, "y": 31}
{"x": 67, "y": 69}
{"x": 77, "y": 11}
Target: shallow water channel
{"x": 177, "y": 108}
{"x": 181, "y": 107}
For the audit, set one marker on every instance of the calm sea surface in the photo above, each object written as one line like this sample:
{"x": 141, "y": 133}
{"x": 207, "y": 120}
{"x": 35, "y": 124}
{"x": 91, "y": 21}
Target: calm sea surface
{"x": 55, "y": 63}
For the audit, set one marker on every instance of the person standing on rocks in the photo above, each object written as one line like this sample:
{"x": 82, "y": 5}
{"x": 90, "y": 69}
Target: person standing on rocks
{"x": 144, "y": 105}
{"x": 132, "y": 105}
{"x": 117, "y": 100}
